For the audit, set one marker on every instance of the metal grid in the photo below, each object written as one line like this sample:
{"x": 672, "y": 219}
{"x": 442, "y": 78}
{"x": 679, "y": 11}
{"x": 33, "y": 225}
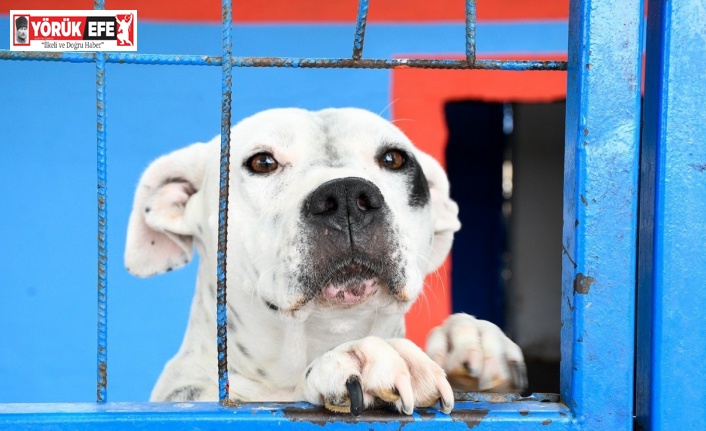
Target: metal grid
{"x": 227, "y": 62}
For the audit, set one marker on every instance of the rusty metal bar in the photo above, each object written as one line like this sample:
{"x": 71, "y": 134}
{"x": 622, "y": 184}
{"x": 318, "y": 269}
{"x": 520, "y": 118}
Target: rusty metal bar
{"x": 222, "y": 337}
{"x": 102, "y": 354}
{"x": 360, "y": 23}
{"x": 470, "y": 31}
{"x": 287, "y": 62}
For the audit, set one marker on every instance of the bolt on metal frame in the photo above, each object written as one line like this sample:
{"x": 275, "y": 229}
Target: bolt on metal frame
{"x": 600, "y": 244}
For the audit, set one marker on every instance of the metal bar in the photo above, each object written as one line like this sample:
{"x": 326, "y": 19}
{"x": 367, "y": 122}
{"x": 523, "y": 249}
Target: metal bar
{"x": 524, "y": 415}
{"x": 360, "y": 22}
{"x": 470, "y": 31}
{"x": 672, "y": 262}
{"x": 600, "y": 212}
{"x": 287, "y": 62}
{"x": 227, "y": 82}
{"x": 102, "y": 164}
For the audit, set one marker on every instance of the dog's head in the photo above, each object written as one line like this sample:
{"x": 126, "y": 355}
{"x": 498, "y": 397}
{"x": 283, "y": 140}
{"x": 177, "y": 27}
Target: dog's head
{"x": 335, "y": 207}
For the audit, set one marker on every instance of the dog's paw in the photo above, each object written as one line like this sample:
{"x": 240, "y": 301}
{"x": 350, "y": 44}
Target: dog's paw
{"x": 477, "y": 355}
{"x": 373, "y": 372}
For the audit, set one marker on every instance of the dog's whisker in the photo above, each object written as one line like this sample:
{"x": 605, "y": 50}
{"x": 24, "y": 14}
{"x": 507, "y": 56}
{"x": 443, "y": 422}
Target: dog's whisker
{"x": 397, "y": 120}
{"x": 388, "y": 106}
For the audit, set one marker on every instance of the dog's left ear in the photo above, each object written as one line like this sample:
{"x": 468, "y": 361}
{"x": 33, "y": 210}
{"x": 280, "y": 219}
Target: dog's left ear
{"x": 444, "y": 209}
{"x": 159, "y": 234}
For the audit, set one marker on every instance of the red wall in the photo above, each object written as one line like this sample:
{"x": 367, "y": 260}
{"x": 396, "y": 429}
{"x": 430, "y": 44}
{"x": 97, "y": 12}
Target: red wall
{"x": 420, "y": 94}
{"x": 317, "y": 10}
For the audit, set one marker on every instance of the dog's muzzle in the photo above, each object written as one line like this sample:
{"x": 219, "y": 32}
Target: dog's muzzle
{"x": 350, "y": 241}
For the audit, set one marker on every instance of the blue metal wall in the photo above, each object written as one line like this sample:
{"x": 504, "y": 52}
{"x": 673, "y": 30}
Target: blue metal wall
{"x": 672, "y": 264}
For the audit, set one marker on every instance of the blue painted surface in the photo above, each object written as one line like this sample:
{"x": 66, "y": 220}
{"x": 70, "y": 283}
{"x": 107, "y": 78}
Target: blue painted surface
{"x": 483, "y": 416}
{"x": 600, "y": 212}
{"x": 672, "y": 289}
{"x": 47, "y": 150}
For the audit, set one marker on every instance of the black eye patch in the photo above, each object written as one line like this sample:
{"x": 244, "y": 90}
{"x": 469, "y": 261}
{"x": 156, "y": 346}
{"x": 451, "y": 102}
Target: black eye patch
{"x": 397, "y": 160}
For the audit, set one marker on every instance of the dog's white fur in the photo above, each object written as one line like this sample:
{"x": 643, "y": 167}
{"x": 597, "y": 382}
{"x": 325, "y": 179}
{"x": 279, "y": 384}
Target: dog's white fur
{"x": 283, "y": 343}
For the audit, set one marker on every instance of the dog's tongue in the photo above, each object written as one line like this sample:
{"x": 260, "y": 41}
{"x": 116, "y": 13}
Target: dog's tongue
{"x": 350, "y": 294}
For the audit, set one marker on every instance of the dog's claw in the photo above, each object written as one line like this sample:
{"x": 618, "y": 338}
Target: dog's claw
{"x": 355, "y": 393}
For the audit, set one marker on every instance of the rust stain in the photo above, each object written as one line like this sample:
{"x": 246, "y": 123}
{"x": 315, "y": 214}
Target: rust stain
{"x": 546, "y": 422}
{"x": 102, "y": 381}
{"x": 321, "y": 416}
{"x": 698, "y": 166}
{"x": 582, "y": 284}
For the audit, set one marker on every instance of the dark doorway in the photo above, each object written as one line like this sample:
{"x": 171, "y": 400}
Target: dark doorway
{"x": 505, "y": 165}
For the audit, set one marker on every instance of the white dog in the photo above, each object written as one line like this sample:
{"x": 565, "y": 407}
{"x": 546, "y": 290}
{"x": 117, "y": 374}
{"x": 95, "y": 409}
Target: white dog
{"x": 335, "y": 219}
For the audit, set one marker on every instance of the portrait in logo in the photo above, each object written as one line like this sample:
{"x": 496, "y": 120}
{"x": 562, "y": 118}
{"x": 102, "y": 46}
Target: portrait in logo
{"x": 125, "y": 29}
{"x": 22, "y": 30}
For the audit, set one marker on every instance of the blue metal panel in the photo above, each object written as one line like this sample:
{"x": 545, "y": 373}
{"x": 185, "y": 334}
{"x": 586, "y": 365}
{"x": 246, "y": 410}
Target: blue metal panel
{"x": 600, "y": 212}
{"x": 672, "y": 266}
{"x": 480, "y": 415}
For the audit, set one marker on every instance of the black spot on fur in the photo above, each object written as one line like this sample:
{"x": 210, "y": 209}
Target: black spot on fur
{"x": 148, "y": 209}
{"x": 187, "y": 393}
{"x": 152, "y": 242}
{"x": 231, "y": 326}
{"x": 308, "y": 371}
{"x": 419, "y": 188}
{"x": 169, "y": 269}
{"x": 243, "y": 350}
{"x": 261, "y": 372}
{"x": 236, "y": 316}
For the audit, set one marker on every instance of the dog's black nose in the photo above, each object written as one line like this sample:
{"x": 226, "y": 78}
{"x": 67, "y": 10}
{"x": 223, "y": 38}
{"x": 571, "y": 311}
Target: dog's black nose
{"x": 345, "y": 203}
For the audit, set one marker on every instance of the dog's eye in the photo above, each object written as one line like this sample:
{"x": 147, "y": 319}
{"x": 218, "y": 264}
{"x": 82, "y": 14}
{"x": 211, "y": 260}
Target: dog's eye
{"x": 393, "y": 160}
{"x": 262, "y": 163}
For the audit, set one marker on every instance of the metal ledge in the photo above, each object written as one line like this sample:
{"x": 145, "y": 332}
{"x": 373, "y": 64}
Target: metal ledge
{"x": 531, "y": 413}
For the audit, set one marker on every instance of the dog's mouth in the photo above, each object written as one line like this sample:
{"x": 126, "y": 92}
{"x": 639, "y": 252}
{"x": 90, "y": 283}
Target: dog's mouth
{"x": 353, "y": 294}
{"x": 351, "y": 282}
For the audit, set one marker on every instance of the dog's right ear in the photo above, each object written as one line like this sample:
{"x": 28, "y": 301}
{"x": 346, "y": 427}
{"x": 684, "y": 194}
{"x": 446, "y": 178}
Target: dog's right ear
{"x": 159, "y": 237}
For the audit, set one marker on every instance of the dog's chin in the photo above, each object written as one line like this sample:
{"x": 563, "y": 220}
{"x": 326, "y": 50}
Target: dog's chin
{"x": 349, "y": 293}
